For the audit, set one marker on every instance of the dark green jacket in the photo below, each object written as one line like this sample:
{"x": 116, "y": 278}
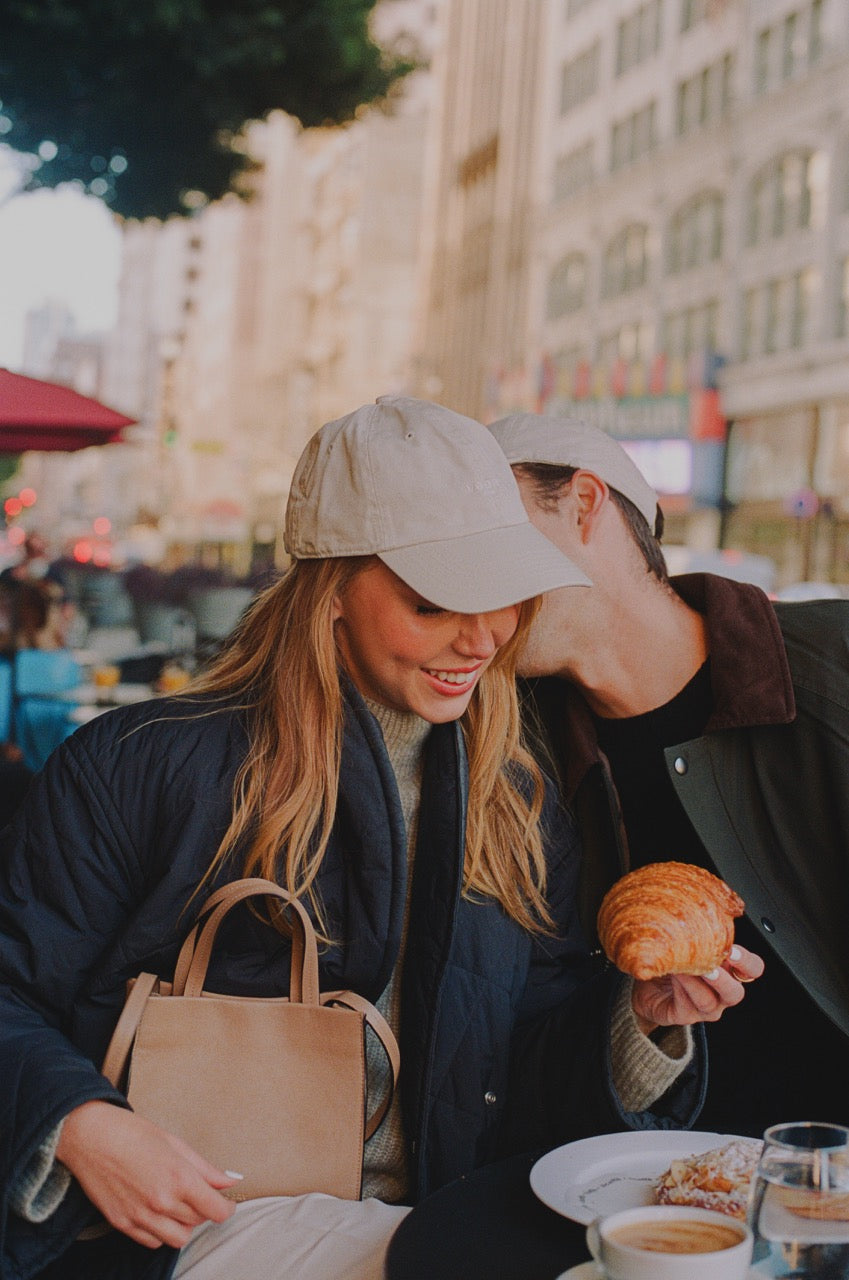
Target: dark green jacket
{"x": 766, "y": 786}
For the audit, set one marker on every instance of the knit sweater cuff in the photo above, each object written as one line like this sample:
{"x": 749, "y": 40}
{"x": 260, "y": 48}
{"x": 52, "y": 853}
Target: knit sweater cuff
{"x": 42, "y": 1186}
{"x": 642, "y": 1069}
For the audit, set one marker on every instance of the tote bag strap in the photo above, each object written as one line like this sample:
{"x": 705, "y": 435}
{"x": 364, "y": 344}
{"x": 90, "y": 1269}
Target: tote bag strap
{"x": 196, "y": 951}
{"x": 383, "y": 1031}
{"x": 115, "y": 1062}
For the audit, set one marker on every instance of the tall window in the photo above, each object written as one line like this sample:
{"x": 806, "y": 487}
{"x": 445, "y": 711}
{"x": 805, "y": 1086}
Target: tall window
{"x": 780, "y": 314}
{"x": 573, "y": 172}
{"x": 803, "y": 310}
{"x": 579, "y": 79}
{"x": 695, "y": 233}
{"x": 787, "y": 195}
{"x": 751, "y": 316}
{"x": 793, "y": 51}
{"x": 790, "y": 47}
{"x": 626, "y": 262}
{"x": 638, "y": 36}
{"x": 777, "y": 311}
{"x": 705, "y": 97}
{"x": 693, "y": 12}
{"x": 763, "y": 61}
{"x": 841, "y": 329}
{"x": 633, "y": 137}
{"x": 566, "y": 286}
{"x": 691, "y": 330}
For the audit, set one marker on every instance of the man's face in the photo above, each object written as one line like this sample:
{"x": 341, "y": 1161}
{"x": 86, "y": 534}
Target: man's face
{"x": 548, "y": 647}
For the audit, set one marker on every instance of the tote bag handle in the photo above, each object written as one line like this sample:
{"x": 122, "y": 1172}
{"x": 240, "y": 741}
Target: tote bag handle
{"x": 196, "y": 951}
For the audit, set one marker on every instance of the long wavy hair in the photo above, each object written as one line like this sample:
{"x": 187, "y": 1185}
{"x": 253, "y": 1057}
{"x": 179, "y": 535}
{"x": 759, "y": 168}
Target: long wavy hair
{"x": 282, "y": 667}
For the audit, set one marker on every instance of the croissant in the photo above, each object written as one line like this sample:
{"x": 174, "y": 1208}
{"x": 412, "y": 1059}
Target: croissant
{"x": 668, "y": 917}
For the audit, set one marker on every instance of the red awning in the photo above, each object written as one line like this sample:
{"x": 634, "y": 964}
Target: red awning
{"x": 45, "y": 416}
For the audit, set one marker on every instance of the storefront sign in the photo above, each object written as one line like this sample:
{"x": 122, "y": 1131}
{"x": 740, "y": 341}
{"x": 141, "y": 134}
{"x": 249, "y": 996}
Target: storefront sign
{"x": 633, "y": 418}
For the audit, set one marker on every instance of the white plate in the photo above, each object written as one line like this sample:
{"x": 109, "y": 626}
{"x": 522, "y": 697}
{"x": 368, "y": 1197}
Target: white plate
{"x": 596, "y": 1176}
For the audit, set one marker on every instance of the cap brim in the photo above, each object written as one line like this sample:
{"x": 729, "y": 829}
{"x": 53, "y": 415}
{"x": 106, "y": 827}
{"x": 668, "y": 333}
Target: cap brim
{"x": 484, "y": 571}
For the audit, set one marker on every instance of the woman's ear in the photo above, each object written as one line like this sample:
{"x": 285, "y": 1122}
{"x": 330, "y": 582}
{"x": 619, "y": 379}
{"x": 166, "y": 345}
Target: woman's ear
{"x": 336, "y": 609}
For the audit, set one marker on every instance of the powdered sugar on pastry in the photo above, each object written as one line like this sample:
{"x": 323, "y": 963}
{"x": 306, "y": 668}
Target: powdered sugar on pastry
{"x": 718, "y": 1179}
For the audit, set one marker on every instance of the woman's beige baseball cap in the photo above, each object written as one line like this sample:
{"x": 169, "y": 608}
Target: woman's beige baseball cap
{"x": 430, "y": 492}
{"x": 569, "y": 442}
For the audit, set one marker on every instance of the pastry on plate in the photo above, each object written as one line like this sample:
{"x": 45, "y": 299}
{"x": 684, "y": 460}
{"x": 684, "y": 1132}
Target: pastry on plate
{"x": 668, "y": 917}
{"x": 718, "y": 1179}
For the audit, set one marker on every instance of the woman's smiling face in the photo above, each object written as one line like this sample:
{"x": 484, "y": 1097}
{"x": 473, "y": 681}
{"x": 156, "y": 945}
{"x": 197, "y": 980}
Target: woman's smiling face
{"x": 408, "y": 654}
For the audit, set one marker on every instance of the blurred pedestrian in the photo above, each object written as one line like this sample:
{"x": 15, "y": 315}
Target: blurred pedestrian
{"x": 35, "y": 612}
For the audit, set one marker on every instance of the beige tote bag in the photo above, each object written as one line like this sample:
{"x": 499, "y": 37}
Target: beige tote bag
{"x": 274, "y": 1088}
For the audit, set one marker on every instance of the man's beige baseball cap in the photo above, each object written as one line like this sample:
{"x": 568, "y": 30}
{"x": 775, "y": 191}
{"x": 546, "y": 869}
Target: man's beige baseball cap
{"x": 430, "y": 492}
{"x": 568, "y": 442}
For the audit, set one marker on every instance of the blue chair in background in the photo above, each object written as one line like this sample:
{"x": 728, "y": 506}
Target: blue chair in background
{"x": 6, "y": 680}
{"x": 40, "y": 719}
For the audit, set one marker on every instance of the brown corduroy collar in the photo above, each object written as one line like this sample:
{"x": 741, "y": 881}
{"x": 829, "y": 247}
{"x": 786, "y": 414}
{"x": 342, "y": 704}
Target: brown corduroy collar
{"x": 750, "y": 676}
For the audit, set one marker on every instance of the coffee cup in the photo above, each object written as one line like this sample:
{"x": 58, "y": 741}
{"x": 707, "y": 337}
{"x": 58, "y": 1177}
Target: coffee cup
{"x": 670, "y": 1242}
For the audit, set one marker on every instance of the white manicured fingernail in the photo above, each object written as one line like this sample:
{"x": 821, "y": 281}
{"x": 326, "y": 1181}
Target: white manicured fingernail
{"x": 714, "y": 973}
{"x": 228, "y": 1173}
{"x": 735, "y": 953}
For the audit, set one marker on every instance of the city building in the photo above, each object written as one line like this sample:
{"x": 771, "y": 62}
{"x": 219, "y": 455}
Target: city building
{"x": 246, "y": 326}
{"x": 474, "y": 320}
{"x": 681, "y": 257}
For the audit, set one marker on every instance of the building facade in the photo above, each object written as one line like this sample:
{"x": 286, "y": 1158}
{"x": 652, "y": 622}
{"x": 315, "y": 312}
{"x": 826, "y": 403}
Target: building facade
{"x": 480, "y": 205}
{"x": 684, "y": 274}
{"x": 246, "y": 326}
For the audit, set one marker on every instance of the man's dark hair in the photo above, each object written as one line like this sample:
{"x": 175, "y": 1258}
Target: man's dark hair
{"x": 549, "y": 482}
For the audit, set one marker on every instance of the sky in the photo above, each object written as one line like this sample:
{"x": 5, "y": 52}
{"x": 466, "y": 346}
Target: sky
{"x": 54, "y": 245}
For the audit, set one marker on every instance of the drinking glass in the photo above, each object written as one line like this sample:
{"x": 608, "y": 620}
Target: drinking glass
{"x": 799, "y": 1205}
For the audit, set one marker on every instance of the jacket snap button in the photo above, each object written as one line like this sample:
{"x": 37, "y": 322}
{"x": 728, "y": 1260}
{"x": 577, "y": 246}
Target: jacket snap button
{"x": 680, "y": 765}
{"x": 767, "y": 924}
{"x": 490, "y": 1098}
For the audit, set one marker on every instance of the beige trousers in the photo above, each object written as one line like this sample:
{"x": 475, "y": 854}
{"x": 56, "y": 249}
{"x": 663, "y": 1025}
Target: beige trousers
{"x": 312, "y": 1237}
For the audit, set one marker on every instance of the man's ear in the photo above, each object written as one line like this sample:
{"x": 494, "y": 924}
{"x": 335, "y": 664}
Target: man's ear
{"x": 589, "y": 496}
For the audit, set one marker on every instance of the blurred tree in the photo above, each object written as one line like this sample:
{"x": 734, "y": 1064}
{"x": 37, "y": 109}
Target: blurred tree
{"x": 142, "y": 100}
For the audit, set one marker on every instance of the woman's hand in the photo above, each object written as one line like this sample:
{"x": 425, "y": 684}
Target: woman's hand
{"x": 145, "y": 1181}
{"x": 681, "y": 999}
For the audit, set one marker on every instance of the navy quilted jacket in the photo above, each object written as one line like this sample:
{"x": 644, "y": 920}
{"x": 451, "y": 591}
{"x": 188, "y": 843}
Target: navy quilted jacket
{"x": 503, "y": 1039}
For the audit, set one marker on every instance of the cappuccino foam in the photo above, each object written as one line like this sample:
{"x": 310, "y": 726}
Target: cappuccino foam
{"x": 684, "y": 1235}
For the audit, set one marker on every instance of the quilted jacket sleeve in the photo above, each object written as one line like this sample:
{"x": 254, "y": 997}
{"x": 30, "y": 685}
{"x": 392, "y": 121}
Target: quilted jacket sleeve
{"x": 67, "y": 870}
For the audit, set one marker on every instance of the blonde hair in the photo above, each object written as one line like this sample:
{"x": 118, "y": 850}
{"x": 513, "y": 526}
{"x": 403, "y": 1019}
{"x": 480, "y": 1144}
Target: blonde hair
{"x": 281, "y": 667}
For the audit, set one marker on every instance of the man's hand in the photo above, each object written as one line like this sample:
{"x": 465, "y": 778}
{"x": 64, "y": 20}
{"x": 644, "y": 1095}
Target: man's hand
{"x": 681, "y": 999}
{"x": 145, "y": 1181}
